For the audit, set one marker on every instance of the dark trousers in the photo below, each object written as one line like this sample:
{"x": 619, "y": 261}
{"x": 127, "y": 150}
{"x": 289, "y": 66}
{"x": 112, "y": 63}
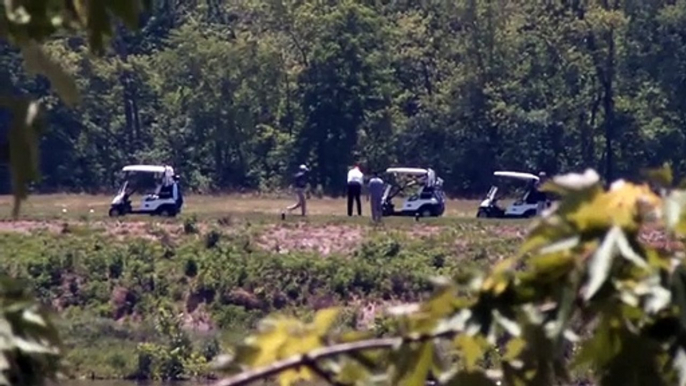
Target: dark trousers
{"x": 354, "y": 193}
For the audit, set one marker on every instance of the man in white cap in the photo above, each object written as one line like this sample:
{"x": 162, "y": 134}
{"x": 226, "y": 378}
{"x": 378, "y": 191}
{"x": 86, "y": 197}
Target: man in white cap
{"x": 299, "y": 184}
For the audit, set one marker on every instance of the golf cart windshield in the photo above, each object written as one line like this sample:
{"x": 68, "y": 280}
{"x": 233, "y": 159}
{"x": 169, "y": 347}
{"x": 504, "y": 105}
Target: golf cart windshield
{"x": 404, "y": 177}
{"x": 146, "y": 177}
{"x": 528, "y": 193}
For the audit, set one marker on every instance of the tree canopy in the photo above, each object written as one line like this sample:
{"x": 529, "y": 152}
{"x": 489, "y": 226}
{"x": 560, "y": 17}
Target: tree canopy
{"x": 237, "y": 93}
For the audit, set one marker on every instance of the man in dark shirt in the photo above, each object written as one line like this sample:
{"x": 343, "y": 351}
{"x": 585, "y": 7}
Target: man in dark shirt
{"x": 299, "y": 184}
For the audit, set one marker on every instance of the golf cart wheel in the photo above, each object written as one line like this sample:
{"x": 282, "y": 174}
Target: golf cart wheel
{"x": 115, "y": 212}
{"x": 481, "y": 214}
{"x": 167, "y": 212}
{"x": 530, "y": 214}
{"x": 425, "y": 212}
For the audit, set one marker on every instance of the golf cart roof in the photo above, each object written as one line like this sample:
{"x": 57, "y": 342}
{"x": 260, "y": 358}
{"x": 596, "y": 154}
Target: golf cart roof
{"x": 517, "y": 175}
{"x": 145, "y": 168}
{"x": 402, "y": 170}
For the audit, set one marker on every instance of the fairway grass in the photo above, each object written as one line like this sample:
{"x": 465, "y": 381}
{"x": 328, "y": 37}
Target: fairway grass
{"x": 206, "y": 207}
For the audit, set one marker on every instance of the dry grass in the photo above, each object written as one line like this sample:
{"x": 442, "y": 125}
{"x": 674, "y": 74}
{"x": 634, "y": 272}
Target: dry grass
{"x": 51, "y": 206}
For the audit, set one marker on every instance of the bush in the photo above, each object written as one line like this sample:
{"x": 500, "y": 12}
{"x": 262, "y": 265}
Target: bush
{"x": 585, "y": 291}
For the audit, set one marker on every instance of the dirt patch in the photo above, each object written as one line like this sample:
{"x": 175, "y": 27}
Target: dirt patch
{"x": 326, "y": 239}
{"x": 199, "y": 320}
{"x": 118, "y": 230}
{"x": 28, "y": 227}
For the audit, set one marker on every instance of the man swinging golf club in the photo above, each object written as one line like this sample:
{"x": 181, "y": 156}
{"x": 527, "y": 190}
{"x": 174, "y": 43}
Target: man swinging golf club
{"x": 355, "y": 181}
{"x": 299, "y": 184}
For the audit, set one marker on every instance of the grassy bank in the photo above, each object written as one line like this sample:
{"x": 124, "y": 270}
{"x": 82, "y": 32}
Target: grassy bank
{"x": 130, "y": 293}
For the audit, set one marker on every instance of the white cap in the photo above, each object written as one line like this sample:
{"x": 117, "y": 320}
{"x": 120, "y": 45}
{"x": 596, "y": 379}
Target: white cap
{"x": 303, "y": 167}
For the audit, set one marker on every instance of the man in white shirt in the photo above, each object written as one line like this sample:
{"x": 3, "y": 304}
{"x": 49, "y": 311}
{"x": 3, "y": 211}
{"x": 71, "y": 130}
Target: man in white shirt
{"x": 355, "y": 181}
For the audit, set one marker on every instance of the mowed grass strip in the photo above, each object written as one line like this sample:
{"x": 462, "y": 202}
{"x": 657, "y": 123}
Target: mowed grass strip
{"x": 55, "y": 206}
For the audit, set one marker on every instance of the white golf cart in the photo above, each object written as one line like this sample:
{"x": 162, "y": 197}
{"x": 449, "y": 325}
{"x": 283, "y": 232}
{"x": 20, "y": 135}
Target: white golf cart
{"x": 428, "y": 201}
{"x": 524, "y": 207}
{"x": 166, "y": 200}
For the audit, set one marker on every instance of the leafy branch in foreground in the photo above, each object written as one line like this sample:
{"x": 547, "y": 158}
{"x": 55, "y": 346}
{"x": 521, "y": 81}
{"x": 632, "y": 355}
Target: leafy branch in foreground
{"x": 26, "y": 25}
{"x": 587, "y": 294}
{"x": 29, "y": 342}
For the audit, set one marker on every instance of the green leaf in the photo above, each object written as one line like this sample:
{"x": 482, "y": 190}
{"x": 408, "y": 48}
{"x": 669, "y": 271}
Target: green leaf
{"x": 663, "y": 176}
{"x": 23, "y": 140}
{"x": 639, "y": 362}
{"x": 674, "y": 211}
{"x": 678, "y": 289}
{"x": 412, "y": 364}
{"x": 325, "y": 318}
{"x": 601, "y": 262}
{"x": 472, "y": 349}
{"x": 628, "y": 252}
{"x": 679, "y": 363}
{"x": 93, "y": 15}
{"x": 127, "y": 11}
{"x": 471, "y": 378}
{"x": 37, "y": 61}
{"x": 548, "y": 234}
{"x": 602, "y": 346}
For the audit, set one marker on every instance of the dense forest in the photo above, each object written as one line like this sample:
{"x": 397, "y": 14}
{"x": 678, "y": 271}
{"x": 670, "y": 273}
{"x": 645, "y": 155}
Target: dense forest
{"x": 236, "y": 93}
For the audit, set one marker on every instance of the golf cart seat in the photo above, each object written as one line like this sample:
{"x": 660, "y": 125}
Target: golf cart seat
{"x": 165, "y": 201}
{"x": 527, "y": 205}
{"x": 429, "y": 200}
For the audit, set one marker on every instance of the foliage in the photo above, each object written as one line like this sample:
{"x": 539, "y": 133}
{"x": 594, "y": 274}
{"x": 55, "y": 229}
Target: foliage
{"x": 235, "y": 94}
{"x": 93, "y": 280}
{"x": 583, "y": 292}
{"x": 30, "y": 344}
{"x": 173, "y": 359}
{"x": 26, "y": 26}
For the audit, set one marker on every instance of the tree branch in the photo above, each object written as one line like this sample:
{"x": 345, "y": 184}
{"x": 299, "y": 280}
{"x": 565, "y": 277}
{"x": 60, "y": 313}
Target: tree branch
{"x": 325, "y": 352}
{"x": 306, "y": 359}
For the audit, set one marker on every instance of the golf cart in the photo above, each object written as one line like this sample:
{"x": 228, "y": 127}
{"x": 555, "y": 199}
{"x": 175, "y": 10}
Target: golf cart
{"x": 166, "y": 200}
{"x": 428, "y": 201}
{"x": 525, "y": 207}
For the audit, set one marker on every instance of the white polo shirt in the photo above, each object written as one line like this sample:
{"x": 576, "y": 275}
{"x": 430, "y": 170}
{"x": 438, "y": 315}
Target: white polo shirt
{"x": 355, "y": 175}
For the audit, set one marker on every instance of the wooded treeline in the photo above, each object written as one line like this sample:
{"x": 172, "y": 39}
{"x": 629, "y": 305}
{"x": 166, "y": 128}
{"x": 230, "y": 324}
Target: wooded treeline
{"x": 236, "y": 93}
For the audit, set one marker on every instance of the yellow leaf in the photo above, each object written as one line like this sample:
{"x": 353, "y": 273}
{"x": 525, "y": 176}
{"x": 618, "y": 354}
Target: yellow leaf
{"x": 514, "y": 349}
{"x": 553, "y": 265}
{"x": 488, "y": 284}
{"x": 500, "y": 287}
{"x": 272, "y": 335}
{"x": 290, "y": 377}
{"x": 656, "y": 259}
{"x": 324, "y": 319}
{"x": 618, "y": 206}
{"x": 351, "y": 373}
{"x": 472, "y": 349}
{"x": 504, "y": 265}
